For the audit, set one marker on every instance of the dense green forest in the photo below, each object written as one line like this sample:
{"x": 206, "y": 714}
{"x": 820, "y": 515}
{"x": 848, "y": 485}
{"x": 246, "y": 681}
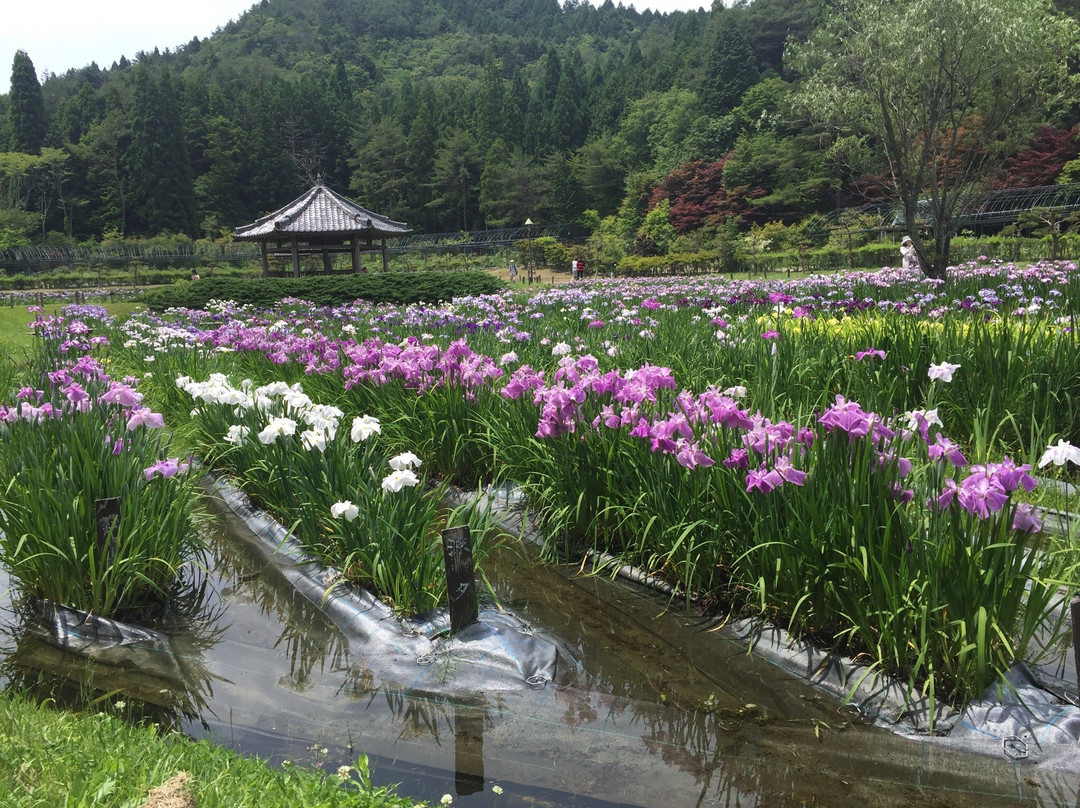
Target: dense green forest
{"x": 452, "y": 115}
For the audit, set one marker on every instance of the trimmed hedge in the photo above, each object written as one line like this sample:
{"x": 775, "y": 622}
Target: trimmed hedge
{"x": 397, "y": 288}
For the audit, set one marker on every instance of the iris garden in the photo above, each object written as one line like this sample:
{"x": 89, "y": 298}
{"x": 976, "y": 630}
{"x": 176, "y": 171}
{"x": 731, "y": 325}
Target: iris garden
{"x": 861, "y": 458}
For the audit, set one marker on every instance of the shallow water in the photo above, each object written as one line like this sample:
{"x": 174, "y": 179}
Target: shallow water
{"x": 662, "y": 712}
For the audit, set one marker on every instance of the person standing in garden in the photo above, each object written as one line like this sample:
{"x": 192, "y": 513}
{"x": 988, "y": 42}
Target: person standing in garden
{"x": 513, "y": 271}
{"x": 908, "y": 259}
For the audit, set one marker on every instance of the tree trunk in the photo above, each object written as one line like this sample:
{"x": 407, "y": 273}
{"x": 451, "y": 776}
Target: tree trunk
{"x": 936, "y": 267}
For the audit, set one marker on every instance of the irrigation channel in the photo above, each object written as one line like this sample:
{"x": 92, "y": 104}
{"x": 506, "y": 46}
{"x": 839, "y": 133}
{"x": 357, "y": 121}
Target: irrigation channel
{"x": 657, "y": 709}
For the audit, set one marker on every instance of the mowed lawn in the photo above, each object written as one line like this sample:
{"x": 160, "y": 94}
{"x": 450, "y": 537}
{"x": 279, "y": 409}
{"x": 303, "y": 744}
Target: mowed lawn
{"x": 15, "y": 334}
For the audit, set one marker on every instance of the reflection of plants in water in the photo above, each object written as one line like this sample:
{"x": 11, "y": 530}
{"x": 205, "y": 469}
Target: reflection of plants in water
{"x": 308, "y": 639}
{"x": 85, "y": 662}
{"x": 718, "y": 746}
{"x": 419, "y": 715}
{"x": 422, "y": 714}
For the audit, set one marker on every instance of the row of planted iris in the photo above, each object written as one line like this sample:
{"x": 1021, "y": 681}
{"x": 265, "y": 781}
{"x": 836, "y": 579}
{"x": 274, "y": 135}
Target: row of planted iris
{"x": 74, "y": 439}
{"x": 799, "y": 449}
{"x": 81, "y": 438}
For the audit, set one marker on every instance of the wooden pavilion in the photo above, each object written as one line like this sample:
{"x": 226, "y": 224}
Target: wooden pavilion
{"x": 321, "y": 222}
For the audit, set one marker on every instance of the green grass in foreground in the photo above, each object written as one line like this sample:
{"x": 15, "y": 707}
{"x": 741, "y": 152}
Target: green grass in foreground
{"x": 54, "y": 758}
{"x": 16, "y": 336}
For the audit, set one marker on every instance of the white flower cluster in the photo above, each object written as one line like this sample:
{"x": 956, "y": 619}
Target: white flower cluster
{"x": 285, "y": 407}
{"x": 402, "y": 475}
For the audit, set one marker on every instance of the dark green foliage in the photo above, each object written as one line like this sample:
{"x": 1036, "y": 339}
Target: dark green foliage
{"x": 769, "y": 24}
{"x": 389, "y": 287}
{"x": 159, "y": 169}
{"x": 400, "y": 103}
{"x": 732, "y": 70}
{"x": 27, "y": 108}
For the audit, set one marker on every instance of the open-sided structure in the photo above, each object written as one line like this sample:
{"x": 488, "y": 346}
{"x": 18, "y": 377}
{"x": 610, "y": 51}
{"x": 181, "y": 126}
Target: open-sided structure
{"x": 321, "y": 222}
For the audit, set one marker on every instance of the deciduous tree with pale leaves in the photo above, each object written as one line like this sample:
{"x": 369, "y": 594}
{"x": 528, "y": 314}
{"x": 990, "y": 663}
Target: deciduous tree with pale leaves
{"x": 946, "y": 90}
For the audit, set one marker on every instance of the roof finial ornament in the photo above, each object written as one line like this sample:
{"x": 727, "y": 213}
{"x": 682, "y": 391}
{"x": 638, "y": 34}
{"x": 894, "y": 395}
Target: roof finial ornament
{"x": 318, "y": 178}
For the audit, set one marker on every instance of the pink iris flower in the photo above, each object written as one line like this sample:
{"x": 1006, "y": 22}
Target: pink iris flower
{"x": 144, "y": 416}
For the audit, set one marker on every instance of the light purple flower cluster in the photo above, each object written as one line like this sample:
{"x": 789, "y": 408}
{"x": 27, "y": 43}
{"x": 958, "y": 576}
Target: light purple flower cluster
{"x": 418, "y": 365}
{"x": 85, "y": 389}
{"x": 986, "y": 490}
{"x": 71, "y": 330}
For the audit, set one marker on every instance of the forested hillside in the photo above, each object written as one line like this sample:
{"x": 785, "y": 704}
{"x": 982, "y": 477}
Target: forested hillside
{"x": 450, "y": 115}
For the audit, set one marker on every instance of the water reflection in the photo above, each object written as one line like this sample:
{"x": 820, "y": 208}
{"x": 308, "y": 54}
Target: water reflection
{"x": 661, "y": 712}
{"x": 78, "y": 659}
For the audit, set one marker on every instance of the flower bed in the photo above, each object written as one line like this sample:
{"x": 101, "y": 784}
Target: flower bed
{"x": 791, "y": 449}
{"x": 79, "y": 439}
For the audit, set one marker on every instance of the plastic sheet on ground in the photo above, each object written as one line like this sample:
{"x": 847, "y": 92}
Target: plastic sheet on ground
{"x": 499, "y": 652}
{"x": 1036, "y": 718}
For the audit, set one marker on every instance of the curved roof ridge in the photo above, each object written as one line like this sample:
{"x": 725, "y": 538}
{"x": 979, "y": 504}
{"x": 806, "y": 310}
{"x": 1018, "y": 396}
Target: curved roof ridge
{"x": 321, "y": 210}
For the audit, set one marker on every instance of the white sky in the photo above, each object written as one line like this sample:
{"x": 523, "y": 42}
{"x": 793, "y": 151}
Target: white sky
{"x": 62, "y": 34}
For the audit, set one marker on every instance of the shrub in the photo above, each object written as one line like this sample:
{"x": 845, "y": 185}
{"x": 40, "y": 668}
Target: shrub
{"x": 332, "y": 290}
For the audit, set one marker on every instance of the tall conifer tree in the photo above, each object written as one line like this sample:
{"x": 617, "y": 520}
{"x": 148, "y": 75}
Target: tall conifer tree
{"x": 28, "y": 123}
{"x": 158, "y": 163}
{"x": 731, "y": 70}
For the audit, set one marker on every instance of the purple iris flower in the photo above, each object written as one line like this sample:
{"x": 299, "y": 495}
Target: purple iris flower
{"x": 169, "y": 467}
{"x": 763, "y": 480}
{"x": 870, "y": 353}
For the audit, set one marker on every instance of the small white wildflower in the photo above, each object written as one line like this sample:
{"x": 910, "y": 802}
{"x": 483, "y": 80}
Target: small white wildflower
{"x": 560, "y": 349}
{"x": 446, "y": 800}
{"x": 738, "y": 391}
{"x": 496, "y": 790}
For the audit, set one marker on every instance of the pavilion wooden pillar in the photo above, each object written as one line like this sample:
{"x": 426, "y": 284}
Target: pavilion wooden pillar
{"x": 385, "y": 260}
{"x": 265, "y": 261}
{"x": 295, "y": 260}
{"x": 355, "y": 244}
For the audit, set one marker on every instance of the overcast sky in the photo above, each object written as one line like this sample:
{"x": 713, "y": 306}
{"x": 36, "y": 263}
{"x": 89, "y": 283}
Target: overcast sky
{"x": 62, "y": 34}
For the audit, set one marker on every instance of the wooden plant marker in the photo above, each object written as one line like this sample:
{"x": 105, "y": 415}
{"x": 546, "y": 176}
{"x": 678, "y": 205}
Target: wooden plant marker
{"x": 460, "y": 581}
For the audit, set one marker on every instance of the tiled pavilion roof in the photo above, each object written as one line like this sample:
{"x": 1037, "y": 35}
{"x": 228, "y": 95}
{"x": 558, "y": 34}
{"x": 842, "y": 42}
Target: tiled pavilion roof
{"x": 321, "y": 211}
